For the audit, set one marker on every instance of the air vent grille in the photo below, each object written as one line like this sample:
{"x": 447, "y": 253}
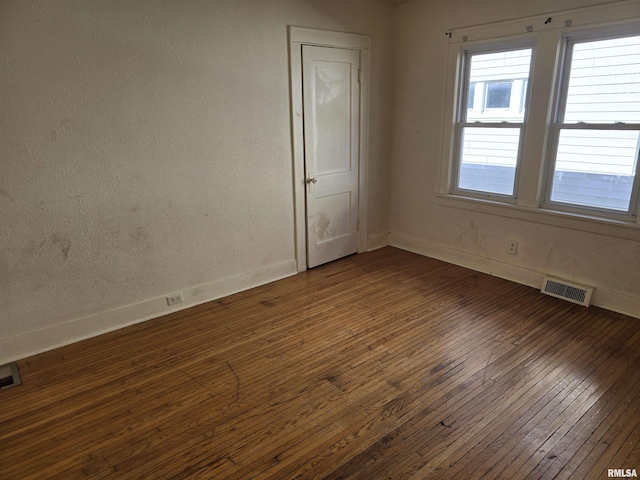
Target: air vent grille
{"x": 9, "y": 376}
{"x": 567, "y": 291}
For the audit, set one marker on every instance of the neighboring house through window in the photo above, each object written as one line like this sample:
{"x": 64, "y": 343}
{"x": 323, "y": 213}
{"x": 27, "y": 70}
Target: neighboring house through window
{"x": 548, "y": 119}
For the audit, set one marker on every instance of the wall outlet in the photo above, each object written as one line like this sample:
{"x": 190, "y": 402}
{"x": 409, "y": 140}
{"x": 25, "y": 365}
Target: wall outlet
{"x": 513, "y": 247}
{"x": 175, "y": 298}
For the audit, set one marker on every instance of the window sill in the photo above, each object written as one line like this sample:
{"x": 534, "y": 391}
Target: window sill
{"x": 603, "y": 226}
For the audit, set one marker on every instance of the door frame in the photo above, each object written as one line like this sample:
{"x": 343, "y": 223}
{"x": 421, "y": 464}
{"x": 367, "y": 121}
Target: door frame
{"x": 299, "y": 36}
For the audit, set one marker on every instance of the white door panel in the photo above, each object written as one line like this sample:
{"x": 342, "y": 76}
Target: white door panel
{"x": 331, "y": 94}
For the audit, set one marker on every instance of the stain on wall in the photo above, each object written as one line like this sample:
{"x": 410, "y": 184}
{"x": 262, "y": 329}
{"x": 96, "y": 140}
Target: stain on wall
{"x": 63, "y": 244}
{"x": 53, "y": 245}
{"x": 140, "y": 237}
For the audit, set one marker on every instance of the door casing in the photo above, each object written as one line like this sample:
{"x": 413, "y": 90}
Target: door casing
{"x": 299, "y": 36}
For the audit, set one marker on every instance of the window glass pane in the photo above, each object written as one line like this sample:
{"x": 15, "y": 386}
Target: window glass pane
{"x": 496, "y": 82}
{"x": 498, "y": 95}
{"x": 488, "y": 159}
{"x": 595, "y": 168}
{"x": 604, "y": 84}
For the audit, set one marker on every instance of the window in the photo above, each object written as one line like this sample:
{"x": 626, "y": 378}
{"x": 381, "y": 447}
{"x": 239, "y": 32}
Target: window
{"x": 498, "y": 95}
{"x": 490, "y": 128}
{"x": 597, "y": 130}
{"x": 544, "y": 115}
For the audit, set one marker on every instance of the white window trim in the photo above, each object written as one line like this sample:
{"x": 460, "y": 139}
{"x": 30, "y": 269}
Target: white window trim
{"x": 548, "y": 33}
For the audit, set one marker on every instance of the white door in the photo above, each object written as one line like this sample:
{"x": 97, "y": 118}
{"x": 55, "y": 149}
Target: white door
{"x": 331, "y": 96}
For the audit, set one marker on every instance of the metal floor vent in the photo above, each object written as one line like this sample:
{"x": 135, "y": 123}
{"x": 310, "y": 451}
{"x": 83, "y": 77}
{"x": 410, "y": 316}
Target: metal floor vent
{"x": 571, "y": 292}
{"x": 9, "y": 376}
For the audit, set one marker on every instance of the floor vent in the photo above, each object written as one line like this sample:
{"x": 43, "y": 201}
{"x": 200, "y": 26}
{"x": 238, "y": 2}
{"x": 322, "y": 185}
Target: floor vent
{"x": 9, "y": 376}
{"x": 567, "y": 291}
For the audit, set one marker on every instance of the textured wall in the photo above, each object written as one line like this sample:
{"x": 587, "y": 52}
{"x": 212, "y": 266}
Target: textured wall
{"x": 145, "y": 147}
{"x": 476, "y": 239}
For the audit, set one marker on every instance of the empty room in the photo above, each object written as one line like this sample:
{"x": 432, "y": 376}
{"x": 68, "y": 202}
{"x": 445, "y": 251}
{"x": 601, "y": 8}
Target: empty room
{"x": 319, "y": 239}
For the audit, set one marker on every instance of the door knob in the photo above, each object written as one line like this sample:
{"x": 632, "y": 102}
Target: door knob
{"x": 312, "y": 180}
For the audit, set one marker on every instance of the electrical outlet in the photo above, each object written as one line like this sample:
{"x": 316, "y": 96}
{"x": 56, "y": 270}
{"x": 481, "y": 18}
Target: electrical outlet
{"x": 175, "y": 298}
{"x": 513, "y": 247}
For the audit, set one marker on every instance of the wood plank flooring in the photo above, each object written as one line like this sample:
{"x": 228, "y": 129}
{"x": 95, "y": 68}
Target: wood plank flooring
{"x": 386, "y": 365}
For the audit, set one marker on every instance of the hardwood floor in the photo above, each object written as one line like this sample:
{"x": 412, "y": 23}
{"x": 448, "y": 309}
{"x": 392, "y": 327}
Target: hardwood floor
{"x": 386, "y": 365}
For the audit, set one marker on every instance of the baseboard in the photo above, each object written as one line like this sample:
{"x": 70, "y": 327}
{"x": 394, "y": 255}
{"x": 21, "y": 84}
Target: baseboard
{"x": 377, "y": 241}
{"x": 49, "y": 338}
{"x": 616, "y": 302}
{"x": 602, "y": 297}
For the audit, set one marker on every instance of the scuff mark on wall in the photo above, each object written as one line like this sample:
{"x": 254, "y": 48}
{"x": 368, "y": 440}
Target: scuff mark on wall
{"x": 63, "y": 243}
{"x": 471, "y": 229}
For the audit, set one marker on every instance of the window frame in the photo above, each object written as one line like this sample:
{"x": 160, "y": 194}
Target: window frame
{"x": 559, "y": 124}
{"x": 462, "y": 122}
{"x": 547, "y": 33}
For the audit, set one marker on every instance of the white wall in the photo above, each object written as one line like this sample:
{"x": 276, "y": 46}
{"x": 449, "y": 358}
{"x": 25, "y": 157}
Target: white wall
{"x": 475, "y": 239}
{"x": 145, "y": 149}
